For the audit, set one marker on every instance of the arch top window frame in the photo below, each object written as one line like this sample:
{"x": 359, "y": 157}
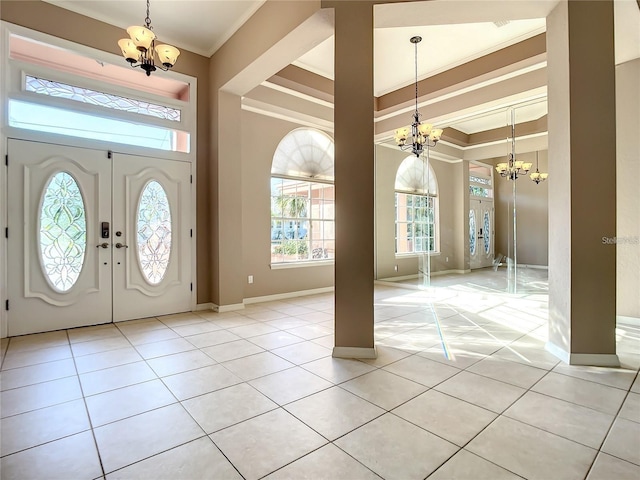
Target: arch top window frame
{"x": 302, "y": 200}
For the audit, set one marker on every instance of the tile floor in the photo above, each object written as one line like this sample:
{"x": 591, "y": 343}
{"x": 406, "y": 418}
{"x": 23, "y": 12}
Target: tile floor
{"x": 462, "y": 389}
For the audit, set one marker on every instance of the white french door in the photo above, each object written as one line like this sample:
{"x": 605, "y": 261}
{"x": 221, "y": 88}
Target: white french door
{"x": 481, "y": 233}
{"x": 94, "y": 239}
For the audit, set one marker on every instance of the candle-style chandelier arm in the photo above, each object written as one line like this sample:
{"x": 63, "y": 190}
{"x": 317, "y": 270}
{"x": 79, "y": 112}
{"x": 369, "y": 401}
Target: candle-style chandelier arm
{"x": 140, "y": 50}
{"x": 419, "y": 135}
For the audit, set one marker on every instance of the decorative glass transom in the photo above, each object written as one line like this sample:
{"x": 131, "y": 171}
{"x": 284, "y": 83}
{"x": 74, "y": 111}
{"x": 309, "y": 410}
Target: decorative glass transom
{"x": 487, "y": 233}
{"x": 63, "y": 231}
{"x": 93, "y": 97}
{"x": 414, "y": 177}
{"x": 154, "y": 232}
{"x": 304, "y": 153}
{"x": 472, "y": 232}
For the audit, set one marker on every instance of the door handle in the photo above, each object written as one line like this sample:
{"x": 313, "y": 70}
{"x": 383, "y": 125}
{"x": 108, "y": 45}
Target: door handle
{"x": 121, "y": 245}
{"x": 103, "y": 245}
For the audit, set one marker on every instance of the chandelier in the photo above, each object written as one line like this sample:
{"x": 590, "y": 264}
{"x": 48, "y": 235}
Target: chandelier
{"x": 141, "y": 51}
{"x": 537, "y": 176}
{"x": 419, "y": 135}
{"x": 513, "y": 168}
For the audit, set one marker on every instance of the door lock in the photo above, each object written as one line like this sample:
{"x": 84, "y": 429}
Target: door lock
{"x": 103, "y": 245}
{"x": 121, "y": 245}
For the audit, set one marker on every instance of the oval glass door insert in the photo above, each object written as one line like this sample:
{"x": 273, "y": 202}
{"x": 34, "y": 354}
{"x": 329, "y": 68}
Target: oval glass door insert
{"x": 63, "y": 231}
{"x": 153, "y": 228}
{"x": 472, "y": 232}
{"x": 487, "y": 233}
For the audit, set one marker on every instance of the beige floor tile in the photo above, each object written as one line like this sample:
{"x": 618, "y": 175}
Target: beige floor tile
{"x": 178, "y": 319}
{"x": 275, "y": 340}
{"x": 128, "y": 401}
{"x": 506, "y": 371}
{"x": 152, "y": 336}
{"x": 200, "y": 381}
{"x": 588, "y": 394}
{"x": 635, "y": 388}
{"x": 133, "y": 439}
{"x": 446, "y": 416}
{"x": 228, "y": 406}
{"x": 189, "y": 461}
{"x": 453, "y": 357}
{"x": 287, "y": 323}
{"x": 180, "y": 362}
{"x": 613, "y": 377}
{"x": 38, "y": 341}
{"x": 309, "y": 332}
{"x": 317, "y": 317}
{"x": 266, "y": 315}
{"x": 481, "y": 391}
{"x": 252, "y": 330}
{"x": 300, "y": 353}
{"x": 231, "y": 321}
{"x": 289, "y": 385}
{"x": 631, "y": 408}
{"x": 113, "y": 358}
{"x": 117, "y": 377}
{"x": 143, "y": 325}
{"x": 465, "y": 465}
{"x": 210, "y": 339}
{"x": 40, "y": 395}
{"x": 259, "y": 365}
{"x": 386, "y": 355}
{"x": 607, "y": 467}
{"x": 43, "y": 372}
{"x": 16, "y": 358}
{"x": 530, "y": 452}
{"x": 328, "y": 341}
{"x": 72, "y": 457}
{"x": 265, "y": 443}
{"x": 422, "y": 370}
{"x": 41, "y": 426}
{"x": 334, "y": 412}
{"x": 580, "y": 424}
{"x": 528, "y": 352}
{"x": 97, "y": 332}
{"x": 383, "y": 388}
{"x": 396, "y": 449}
{"x": 196, "y": 328}
{"x": 338, "y": 370}
{"x": 165, "y": 347}
{"x": 100, "y": 345}
{"x": 623, "y": 441}
{"x": 4, "y": 344}
{"x": 326, "y": 463}
{"x": 232, "y": 350}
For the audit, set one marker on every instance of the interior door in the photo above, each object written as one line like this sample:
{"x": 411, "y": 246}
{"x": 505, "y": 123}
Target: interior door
{"x": 152, "y": 236}
{"x": 59, "y": 266}
{"x": 481, "y": 233}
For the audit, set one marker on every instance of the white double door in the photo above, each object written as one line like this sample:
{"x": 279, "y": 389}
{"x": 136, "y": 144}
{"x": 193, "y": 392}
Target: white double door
{"x": 481, "y": 233}
{"x": 94, "y": 239}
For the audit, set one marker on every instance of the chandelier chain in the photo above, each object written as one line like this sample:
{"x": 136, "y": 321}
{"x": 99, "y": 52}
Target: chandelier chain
{"x": 416, "y": 68}
{"x": 147, "y": 20}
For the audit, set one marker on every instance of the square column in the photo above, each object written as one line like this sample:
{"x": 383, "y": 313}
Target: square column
{"x": 582, "y": 182}
{"x": 354, "y": 179}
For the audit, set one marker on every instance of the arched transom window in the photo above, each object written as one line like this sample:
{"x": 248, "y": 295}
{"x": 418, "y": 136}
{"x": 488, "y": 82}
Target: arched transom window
{"x": 302, "y": 198}
{"x": 416, "y": 207}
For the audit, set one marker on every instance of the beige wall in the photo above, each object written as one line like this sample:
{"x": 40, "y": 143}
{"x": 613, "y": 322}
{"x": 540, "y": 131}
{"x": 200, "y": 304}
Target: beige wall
{"x": 450, "y": 208}
{"x": 532, "y": 211}
{"x": 58, "y": 22}
{"x": 265, "y": 134}
{"x": 628, "y": 193}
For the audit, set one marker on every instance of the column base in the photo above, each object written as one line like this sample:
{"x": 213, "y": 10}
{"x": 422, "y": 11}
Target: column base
{"x": 593, "y": 359}
{"x": 354, "y": 352}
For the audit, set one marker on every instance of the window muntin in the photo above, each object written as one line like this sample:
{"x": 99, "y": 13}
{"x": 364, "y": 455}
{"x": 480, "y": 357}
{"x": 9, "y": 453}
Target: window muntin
{"x": 302, "y": 220}
{"x": 43, "y": 118}
{"x": 62, "y": 232}
{"x": 476, "y": 191}
{"x": 153, "y": 226}
{"x": 415, "y": 223}
{"x": 304, "y": 153}
{"x": 53, "y": 88}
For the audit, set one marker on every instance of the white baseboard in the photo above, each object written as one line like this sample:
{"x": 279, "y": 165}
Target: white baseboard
{"x": 594, "y": 359}
{"x": 539, "y": 267}
{"x": 282, "y": 296}
{"x": 201, "y": 307}
{"x": 399, "y": 278}
{"x": 227, "y": 308}
{"x": 354, "y": 352}
{"x": 633, "y": 321}
{"x": 446, "y": 272}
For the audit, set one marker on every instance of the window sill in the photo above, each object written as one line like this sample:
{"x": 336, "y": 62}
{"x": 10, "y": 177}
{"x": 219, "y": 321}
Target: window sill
{"x": 282, "y": 266}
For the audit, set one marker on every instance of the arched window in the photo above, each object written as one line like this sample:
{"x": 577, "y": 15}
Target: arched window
{"x": 416, "y": 207}
{"x": 302, "y": 198}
